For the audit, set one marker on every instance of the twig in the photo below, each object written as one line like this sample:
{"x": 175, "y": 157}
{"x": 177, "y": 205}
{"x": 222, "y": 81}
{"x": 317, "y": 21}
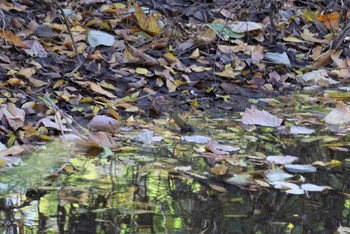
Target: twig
{"x": 3, "y": 25}
{"x": 341, "y": 37}
{"x": 66, "y": 21}
{"x": 56, "y": 110}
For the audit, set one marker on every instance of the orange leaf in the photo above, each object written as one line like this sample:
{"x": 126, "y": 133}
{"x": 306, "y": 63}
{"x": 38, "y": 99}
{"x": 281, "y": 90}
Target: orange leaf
{"x": 12, "y": 38}
{"x": 330, "y": 20}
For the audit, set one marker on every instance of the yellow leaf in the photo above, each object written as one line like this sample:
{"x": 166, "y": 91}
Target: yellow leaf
{"x": 141, "y": 71}
{"x": 149, "y": 23}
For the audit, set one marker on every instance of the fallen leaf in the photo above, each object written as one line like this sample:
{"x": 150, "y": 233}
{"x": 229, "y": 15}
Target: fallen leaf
{"x": 196, "y": 139}
{"x": 339, "y": 115}
{"x": 103, "y": 123}
{"x": 96, "y": 88}
{"x": 253, "y": 116}
{"x": 299, "y": 168}
{"x": 149, "y": 23}
{"x": 14, "y": 116}
{"x": 282, "y": 159}
{"x": 96, "y": 38}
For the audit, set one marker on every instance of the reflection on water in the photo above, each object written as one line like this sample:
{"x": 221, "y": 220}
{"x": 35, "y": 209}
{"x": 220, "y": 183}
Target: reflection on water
{"x": 142, "y": 193}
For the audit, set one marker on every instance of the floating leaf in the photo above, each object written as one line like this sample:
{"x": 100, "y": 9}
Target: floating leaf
{"x": 339, "y": 115}
{"x": 314, "y": 188}
{"x": 196, "y": 139}
{"x": 301, "y": 130}
{"x": 277, "y": 175}
{"x": 282, "y": 159}
{"x": 299, "y": 168}
{"x": 254, "y": 116}
{"x": 240, "y": 180}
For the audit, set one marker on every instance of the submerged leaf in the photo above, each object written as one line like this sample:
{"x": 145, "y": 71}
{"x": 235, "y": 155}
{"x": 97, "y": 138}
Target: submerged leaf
{"x": 145, "y": 137}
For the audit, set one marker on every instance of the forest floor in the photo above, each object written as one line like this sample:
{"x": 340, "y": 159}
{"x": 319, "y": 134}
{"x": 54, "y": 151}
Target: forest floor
{"x": 64, "y": 62}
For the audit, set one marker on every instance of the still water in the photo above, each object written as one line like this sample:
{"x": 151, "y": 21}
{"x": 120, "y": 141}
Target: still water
{"x": 169, "y": 186}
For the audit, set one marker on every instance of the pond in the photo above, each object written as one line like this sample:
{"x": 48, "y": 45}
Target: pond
{"x": 179, "y": 184}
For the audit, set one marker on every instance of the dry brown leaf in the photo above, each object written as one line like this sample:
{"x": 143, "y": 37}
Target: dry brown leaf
{"x": 14, "y": 150}
{"x": 257, "y": 54}
{"x": 169, "y": 80}
{"x": 213, "y": 146}
{"x": 12, "y": 38}
{"x": 103, "y": 123}
{"x": 323, "y": 59}
{"x": 343, "y": 64}
{"x": 96, "y": 88}
{"x": 149, "y": 23}
{"x": 102, "y": 139}
{"x": 48, "y": 123}
{"x": 308, "y": 36}
{"x": 14, "y": 116}
{"x": 134, "y": 56}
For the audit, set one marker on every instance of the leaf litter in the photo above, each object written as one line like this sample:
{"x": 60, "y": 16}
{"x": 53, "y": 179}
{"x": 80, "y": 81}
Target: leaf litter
{"x": 114, "y": 75}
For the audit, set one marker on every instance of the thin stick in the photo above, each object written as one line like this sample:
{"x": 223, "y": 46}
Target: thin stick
{"x": 3, "y": 25}
{"x": 55, "y": 109}
{"x": 66, "y": 21}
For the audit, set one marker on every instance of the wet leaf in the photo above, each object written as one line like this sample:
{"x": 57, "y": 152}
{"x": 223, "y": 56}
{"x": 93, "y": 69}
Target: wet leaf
{"x": 196, "y": 139}
{"x": 339, "y": 115}
{"x": 253, "y": 116}
{"x": 145, "y": 137}
{"x": 219, "y": 169}
{"x": 299, "y": 168}
{"x": 282, "y": 159}
{"x": 301, "y": 130}
{"x": 277, "y": 175}
{"x": 14, "y": 150}
{"x": 314, "y": 188}
{"x": 240, "y": 180}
